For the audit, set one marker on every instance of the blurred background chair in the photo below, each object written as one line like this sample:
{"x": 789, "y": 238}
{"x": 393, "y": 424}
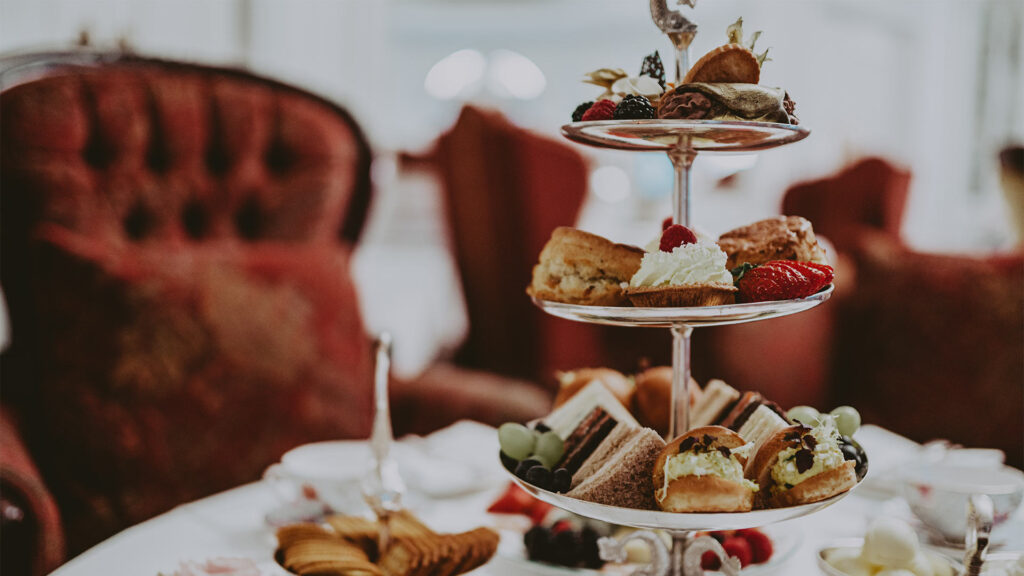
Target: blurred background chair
{"x": 176, "y": 241}
{"x": 505, "y": 190}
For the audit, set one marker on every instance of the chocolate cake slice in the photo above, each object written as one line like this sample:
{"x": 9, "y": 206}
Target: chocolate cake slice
{"x": 585, "y": 439}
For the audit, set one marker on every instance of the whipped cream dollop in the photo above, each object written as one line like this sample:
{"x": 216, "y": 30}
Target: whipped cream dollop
{"x": 698, "y": 263}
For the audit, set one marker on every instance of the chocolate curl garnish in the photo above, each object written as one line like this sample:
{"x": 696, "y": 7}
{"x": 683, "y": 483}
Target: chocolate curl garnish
{"x": 725, "y": 451}
{"x": 810, "y": 441}
{"x": 804, "y": 460}
{"x": 687, "y": 444}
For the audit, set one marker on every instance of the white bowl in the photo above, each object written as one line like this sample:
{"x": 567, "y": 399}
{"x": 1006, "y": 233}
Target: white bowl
{"x": 938, "y": 493}
{"x": 942, "y": 565}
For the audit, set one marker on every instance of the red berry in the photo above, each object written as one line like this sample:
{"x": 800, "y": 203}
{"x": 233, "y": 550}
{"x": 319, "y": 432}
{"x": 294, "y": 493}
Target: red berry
{"x": 710, "y": 561}
{"x": 515, "y": 500}
{"x": 538, "y": 511}
{"x": 601, "y": 110}
{"x": 760, "y": 544}
{"x": 739, "y": 548}
{"x": 561, "y": 526}
{"x": 666, "y": 223}
{"x": 675, "y": 236}
{"x": 782, "y": 280}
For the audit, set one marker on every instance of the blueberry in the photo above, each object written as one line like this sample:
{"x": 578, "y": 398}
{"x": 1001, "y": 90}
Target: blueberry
{"x": 541, "y": 427}
{"x": 561, "y": 481}
{"x": 524, "y": 467}
{"x": 508, "y": 462}
{"x": 539, "y": 476}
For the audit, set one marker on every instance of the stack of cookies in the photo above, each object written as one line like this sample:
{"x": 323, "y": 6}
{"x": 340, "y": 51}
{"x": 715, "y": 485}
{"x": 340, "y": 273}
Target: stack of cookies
{"x": 347, "y": 546}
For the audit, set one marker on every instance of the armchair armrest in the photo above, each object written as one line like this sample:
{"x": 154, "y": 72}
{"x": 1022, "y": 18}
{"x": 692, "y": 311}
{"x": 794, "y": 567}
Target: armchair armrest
{"x": 444, "y": 394}
{"x": 33, "y": 537}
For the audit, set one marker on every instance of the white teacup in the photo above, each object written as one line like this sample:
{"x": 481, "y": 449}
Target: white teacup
{"x": 938, "y": 494}
{"x": 331, "y": 472}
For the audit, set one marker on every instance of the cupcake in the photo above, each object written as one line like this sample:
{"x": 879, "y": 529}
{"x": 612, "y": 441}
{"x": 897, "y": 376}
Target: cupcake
{"x": 684, "y": 271}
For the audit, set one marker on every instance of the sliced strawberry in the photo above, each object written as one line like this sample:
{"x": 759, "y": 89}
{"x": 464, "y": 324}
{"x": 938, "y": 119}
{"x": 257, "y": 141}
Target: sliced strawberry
{"x": 760, "y": 544}
{"x": 675, "y": 236}
{"x": 781, "y": 280}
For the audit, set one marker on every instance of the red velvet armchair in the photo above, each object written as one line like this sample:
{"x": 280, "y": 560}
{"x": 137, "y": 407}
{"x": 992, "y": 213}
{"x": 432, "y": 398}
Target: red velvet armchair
{"x": 175, "y": 245}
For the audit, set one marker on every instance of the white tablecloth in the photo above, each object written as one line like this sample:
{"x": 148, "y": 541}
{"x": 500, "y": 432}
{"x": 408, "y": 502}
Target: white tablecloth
{"x": 231, "y": 524}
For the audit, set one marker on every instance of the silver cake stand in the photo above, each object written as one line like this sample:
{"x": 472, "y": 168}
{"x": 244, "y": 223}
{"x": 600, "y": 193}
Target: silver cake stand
{"x": 682, "y": 140}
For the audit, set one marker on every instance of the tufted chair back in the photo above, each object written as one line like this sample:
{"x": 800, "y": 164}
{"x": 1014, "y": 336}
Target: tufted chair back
{"x": 175, "y": 243}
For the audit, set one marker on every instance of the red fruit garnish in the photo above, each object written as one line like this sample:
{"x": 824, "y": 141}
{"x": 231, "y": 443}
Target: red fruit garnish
{"x": 675, "y": 236}
{"x": 561, "y": 526}
{"x": 710, "y": 561}
{"x": 760, "y": 544}
{"x": 601, "y": 110}
{"x": 666, "y": 223}
{"x": 515, "y": 500}
{"x": 538, "y": 511}
{"x": 780, "y": 280}
{"x": 738, "y": 548}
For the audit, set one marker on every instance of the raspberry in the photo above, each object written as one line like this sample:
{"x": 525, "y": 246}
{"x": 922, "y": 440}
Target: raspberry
{"x": 580, "y": 110}
{"x": 653, "y": 67}
{"x": 675, "y": 236}
{"x": 738, "y": 548}
{"x": 760, "y": 544}
{"x": 666, "y": 223}
{"x": 601, "y": 110}
{"x": 634, "y": 107}
{"x": 710, "y": 561}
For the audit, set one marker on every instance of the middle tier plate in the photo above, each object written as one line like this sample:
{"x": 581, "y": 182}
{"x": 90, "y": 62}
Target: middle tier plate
{"x": 693, "y": 316}
{"x": 676, "y": 521}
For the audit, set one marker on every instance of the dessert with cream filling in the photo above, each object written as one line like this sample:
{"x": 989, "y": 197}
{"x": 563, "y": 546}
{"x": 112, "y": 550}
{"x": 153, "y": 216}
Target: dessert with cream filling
{"x": 683, "y": 272}
{"x": 702, "y": 471}
{"x": 800, "y": 465}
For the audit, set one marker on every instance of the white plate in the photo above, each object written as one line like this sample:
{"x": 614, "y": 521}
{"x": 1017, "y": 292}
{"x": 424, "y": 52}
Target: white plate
{"x": 675, "y": 521}
{"x": 657, "y": 317}
{"x": 698, "y": 135}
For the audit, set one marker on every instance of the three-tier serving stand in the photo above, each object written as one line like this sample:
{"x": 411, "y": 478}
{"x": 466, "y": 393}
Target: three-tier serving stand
{"x": 682, "y": 140}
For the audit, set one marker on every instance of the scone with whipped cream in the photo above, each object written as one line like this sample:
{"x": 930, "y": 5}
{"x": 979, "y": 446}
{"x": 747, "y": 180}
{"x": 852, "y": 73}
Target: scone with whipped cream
{"x": 800, "y": 465}
{"x": 684, "y": 271}
{"x": 702, "y": 471}
{"x": 578, "y": 267}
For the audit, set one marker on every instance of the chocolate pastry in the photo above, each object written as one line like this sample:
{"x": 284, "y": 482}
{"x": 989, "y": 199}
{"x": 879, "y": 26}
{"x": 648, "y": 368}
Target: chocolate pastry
{"x": 727, "y": 101}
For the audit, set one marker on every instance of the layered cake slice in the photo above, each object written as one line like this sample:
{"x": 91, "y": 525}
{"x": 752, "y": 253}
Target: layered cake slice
{"x": 619, "y": 474}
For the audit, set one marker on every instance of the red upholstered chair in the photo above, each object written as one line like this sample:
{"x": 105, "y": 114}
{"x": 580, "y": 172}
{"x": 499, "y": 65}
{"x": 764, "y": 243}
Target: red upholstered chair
{"x": 175, "y": 244}
{"x": 506, "y": 189}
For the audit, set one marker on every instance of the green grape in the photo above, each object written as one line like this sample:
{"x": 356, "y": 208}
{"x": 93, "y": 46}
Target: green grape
{"x": 847, "y": 419}
{"x": 517, "y": 441}
{"x": 804, "y": 415}
{"x": 550, "y": 446}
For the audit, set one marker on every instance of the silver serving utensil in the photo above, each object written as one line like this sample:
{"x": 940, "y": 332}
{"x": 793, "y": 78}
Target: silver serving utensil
{"x": 382, "y": 486}
{"x": 980, "y": 515}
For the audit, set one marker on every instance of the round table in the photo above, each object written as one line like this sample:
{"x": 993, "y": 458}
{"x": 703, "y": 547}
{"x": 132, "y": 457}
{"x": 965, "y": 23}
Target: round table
{"x": 231, "y": 524}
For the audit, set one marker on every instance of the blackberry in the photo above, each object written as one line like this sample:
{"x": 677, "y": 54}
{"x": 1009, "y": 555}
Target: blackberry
{"x": 653, "y": 67}
{"x": 538, "y": 543}
{"x": 568, "y": 548}
{"x": 634, "y": 107}
{"x": 577, "y": 114}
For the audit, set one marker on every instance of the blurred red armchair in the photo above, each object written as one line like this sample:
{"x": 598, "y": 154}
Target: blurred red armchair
{"x": 175, "y": 241}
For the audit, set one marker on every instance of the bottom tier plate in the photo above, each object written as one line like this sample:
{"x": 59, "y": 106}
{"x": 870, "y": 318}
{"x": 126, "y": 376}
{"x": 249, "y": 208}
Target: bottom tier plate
{"x": 675, "y": 521}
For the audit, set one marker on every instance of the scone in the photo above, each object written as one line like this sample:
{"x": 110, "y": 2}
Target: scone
{"x": 570, "y": 383}
{"x": 702, "y": 471}
{"x": 652, "y": 398}
{"x": 683, "y": 272}
{"x": 800, "y": 465}
{"x": 779, "y": 238}
{"x": 577, "y": 267}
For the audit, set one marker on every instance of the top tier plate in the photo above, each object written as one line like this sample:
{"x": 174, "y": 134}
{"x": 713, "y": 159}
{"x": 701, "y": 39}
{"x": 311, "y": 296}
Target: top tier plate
{"x": 696, "y": 135}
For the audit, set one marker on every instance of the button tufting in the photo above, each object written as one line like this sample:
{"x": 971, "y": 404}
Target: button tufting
{"x": 194, "y": 220}
{"x": 249, "y": 219}
{"x": 138, "y": 222}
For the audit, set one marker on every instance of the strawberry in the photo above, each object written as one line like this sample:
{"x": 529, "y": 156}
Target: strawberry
{"x": 760, "y": 544}
{"x": 675, "y": 236}
{"x": 538, "y": 511}
{"x": 601, "y": 110}
{"x": 561, "y": 526}
{"x": 710, "y": 561}
{"x": 780, "y": 280}
{"x": 738, "y": 548}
